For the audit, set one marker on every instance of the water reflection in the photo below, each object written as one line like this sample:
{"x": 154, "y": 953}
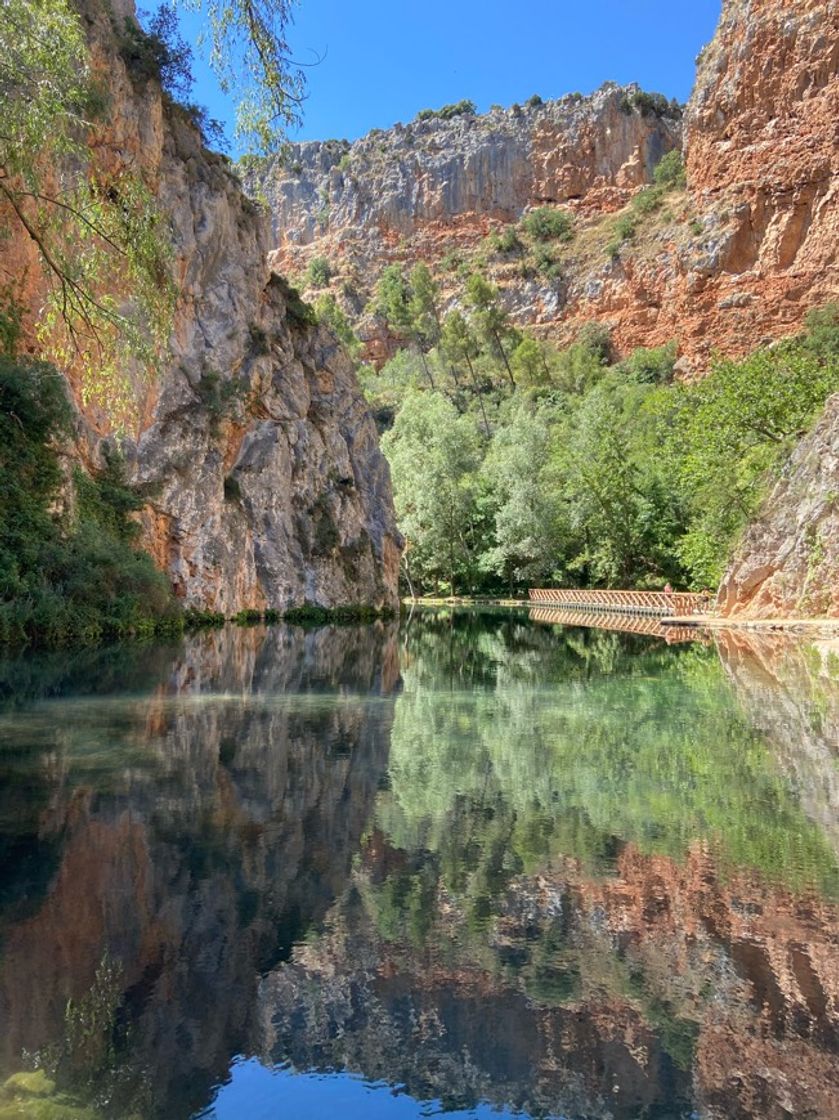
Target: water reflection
{"x": 481, "y": 861}
{"x": 166, "y": 848}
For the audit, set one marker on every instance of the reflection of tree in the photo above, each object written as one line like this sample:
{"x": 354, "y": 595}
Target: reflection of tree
{"x": 507, "y": 750}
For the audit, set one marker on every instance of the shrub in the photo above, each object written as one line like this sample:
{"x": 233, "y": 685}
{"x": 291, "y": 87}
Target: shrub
{"x": 534, "y": 102}
{"x": 66, "y": 578}
{"x": 447, "y": 112}
{"x": 670, "y": 171}
{"x": 333, "y": 316}
{"x": 653, "y": 366}
{"x": 319, "y": 273}
{"x": 548, "y": 224}
{"x": 650, "y": 104}
{"x": 505, "y": 241}
{"x": 623, "y": 230}
{"x": 546, "y": 263}
{"x": 822, "y": 336}
{"x": 158, "y": 53}
{"x": 646, "y": 201}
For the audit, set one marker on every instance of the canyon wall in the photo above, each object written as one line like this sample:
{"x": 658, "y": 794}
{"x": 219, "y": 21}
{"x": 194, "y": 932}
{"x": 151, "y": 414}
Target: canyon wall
{"x": 253, "y": 447}
{"x": 734, "y": 261}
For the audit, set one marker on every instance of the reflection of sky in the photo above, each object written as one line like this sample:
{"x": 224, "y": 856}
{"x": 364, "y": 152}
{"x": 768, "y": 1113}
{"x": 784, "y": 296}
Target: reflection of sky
{"x": 255, "y": 1092}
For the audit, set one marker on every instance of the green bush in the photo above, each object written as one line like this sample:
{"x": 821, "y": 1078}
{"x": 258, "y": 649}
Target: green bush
{"x": 548, "y": 224}
{"x": 624, "y": 229}
{"x": 646, "y": 201}
{"x": 670, "y": 171}
{"x": 447, "y": 112}
{"x": 546, "y": 263}
{"x": 319, "y": 273}
{"x": 66, "y": 577}
{"x": 651, "y": 104}
{"x": 534, "y": 102}
{"x": 333, "y": 316}
{"x": 650, "y": 366}
{"x": 506, "y": 241}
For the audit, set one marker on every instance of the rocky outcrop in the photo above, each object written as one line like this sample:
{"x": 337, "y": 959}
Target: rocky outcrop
{"x": 788, "y": 562}
{"x": 392, "y": 183}
{"x": 260, "y": 463}
{"x": 732, "y": 263}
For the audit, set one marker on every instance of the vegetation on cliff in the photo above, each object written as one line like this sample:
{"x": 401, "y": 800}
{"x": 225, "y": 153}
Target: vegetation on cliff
{"x": 69, "y": 570}
{"x": 517, "y": 463}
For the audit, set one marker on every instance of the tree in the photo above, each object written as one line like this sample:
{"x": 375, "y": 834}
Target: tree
{"x": 423, "y": 306}
{"x": 727, "y": 435}
{"x": 529, "y": 535}
{"x": 101, "y": 240}
{"x": 251, "y": 57}
{"x": 333, "y": 316}
{"x": 458, "y": 344}
{"x": 529, "y": 363}
{"x": 491, "y": 318}
{"x": 319, "y": 273}
{"x": 392, "y": 300}
{"x": 433, "y": 454}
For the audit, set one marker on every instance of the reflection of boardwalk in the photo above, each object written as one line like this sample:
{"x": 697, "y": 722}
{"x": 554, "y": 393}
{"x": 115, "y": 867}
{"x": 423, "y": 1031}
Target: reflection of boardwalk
{"x": 661, "y": 603}
{"x": 626, "y": 623}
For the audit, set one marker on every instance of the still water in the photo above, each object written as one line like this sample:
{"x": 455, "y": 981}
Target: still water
{"x": 473, "y": 864}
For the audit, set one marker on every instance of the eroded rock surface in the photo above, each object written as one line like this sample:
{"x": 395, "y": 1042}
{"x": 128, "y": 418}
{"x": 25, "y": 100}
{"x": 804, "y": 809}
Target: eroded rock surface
{"x": 788, "y": 561}
{"x": 260, "y": 463}
{"x": 736, "y": 260}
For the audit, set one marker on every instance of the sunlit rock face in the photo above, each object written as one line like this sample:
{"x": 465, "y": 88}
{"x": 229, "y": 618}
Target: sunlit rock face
{"x": 253, "y": 445}
{"x": 787, "y": 564}
{"x": 179, "y": 864}
{"x": 745, "y": 253}
{"x": 396, "y": 181}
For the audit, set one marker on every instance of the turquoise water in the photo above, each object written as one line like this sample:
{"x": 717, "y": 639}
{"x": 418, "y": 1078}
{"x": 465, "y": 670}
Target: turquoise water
{"x": 471, "y": 864}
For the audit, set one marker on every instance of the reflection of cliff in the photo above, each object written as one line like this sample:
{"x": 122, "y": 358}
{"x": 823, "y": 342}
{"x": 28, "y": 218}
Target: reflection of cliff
{"x": 664, "y": 990}
{"x": 602, "y": 883}
{"x": 790, "y": 692}
{"x": 192, "y": 838}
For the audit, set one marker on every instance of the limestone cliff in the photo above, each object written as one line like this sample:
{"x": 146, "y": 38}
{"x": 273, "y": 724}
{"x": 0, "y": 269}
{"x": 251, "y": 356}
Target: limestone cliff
{"x": 788, "y": 561}
{"x": 735, "y": 260}
{"x": 260, "y": 463}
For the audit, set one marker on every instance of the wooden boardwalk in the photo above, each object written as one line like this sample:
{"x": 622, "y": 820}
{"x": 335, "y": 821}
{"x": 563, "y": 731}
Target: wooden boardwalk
{"x": 661, "y": 604}
{"x": 647, "y": 624}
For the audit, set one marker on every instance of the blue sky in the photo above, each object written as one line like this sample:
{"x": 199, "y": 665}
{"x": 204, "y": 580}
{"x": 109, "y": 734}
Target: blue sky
{"x": 382, "y": 62}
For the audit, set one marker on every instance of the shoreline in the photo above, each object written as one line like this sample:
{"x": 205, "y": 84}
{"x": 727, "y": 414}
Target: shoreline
{"x": 790, "y": 625}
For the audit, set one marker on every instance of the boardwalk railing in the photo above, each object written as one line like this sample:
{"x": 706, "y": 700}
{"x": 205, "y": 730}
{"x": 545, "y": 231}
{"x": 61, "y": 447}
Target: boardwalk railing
{"x": 648, "y": 624}
{"x": 662, "y": 603}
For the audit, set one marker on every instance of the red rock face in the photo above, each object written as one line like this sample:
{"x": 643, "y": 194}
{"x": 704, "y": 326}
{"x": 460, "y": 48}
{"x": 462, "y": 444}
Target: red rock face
{"x": 279, "y": 496}
{"x": 742, "y": 258}
{"x": 762, "y": 144}
{"x": 762, "y": 154}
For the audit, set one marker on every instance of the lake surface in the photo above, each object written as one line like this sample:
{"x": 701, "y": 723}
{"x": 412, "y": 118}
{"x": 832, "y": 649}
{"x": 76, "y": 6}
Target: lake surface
{"x": 472, "y": 864}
